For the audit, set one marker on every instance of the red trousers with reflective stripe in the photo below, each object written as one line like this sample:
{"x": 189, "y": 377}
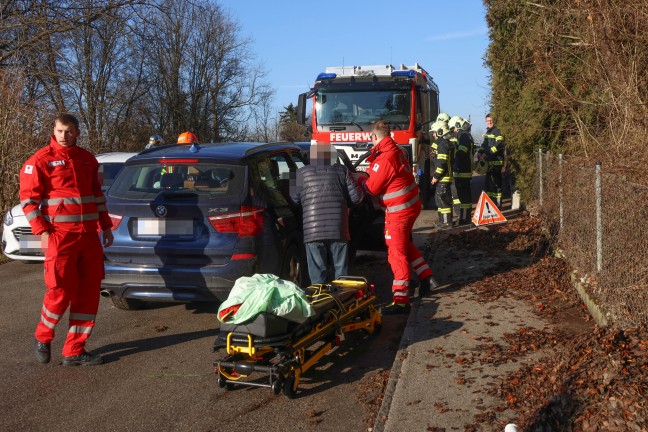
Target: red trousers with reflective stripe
{"x": 73, "y": 272}
{"x": 401, "y": 252}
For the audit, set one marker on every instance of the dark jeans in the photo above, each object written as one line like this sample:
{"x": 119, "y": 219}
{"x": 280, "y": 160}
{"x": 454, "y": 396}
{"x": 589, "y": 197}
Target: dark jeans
{"x": 317, "y": 254}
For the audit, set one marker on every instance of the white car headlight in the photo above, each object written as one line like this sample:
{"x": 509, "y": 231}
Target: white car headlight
{"x": 8, "y": 219}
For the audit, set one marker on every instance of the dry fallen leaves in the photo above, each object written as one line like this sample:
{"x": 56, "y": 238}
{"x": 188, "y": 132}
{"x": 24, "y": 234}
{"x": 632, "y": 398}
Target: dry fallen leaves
{"x": 590, "y": 379}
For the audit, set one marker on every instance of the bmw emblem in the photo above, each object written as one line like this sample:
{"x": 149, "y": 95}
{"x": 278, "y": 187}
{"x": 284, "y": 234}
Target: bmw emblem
{"x": 160, "y": 211}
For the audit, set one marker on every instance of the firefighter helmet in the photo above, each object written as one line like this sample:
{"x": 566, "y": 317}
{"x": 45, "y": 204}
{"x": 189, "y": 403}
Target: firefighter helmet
{"x": 466, "y": 125}
{"x": 440, "y": 128}
{"x": 443, "y": 117}
{"x": 455, "y": 122}
{"x": 187, "y": 138}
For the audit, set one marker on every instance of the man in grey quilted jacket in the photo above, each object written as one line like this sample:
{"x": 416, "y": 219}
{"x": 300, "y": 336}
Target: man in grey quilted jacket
{"x": 324, "y": 190}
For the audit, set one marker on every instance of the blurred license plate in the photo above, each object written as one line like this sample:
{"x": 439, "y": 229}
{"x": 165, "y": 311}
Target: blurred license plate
{"x": 30, "y": 243}
{"x": 164, "y": 227}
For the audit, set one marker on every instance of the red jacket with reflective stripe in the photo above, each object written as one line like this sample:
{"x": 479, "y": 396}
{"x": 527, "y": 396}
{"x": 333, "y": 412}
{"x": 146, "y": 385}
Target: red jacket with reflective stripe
{"x": 391, "y": 178}
{"x": 60, "y": 190}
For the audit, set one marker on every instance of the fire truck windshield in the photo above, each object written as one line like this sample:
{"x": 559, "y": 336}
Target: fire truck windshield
{"x": 361, "y": 107}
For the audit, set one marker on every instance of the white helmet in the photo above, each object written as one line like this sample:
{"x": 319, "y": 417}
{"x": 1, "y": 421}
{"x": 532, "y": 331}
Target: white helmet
{"x": 440, "y": 128}
{"x": 455, "y": 122}
{"x": 443, "y": 117}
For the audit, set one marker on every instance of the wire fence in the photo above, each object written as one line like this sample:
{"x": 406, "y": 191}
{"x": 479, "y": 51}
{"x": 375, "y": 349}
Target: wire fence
{"x": 599, "y": 221}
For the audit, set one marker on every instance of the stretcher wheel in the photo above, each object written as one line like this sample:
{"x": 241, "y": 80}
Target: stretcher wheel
{"x": 288, "y": 389}
{"x": 276, "y": 386}
{"x": 222, "y": 383}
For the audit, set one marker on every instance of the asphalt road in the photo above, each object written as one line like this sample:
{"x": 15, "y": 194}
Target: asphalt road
{"x": 159, "y": 373}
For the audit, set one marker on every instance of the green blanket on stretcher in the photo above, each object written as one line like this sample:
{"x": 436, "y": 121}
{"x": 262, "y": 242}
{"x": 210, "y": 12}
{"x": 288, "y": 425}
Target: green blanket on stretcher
{"x": 264, "y": 293}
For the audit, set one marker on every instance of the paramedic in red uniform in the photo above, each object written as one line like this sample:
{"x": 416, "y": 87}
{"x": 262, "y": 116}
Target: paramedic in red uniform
{"x": 61, "y": 196}
{"x": 391, "y": 178}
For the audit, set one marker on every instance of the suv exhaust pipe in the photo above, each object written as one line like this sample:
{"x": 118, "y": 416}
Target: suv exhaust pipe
{"x": 105, "y": 293}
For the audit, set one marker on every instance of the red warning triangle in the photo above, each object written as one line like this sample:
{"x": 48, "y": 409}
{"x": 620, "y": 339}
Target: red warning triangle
{"x": 487, "y": 212}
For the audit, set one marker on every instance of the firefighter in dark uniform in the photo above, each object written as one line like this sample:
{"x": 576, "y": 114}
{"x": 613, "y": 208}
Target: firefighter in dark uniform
{"x": 453, "y": 123}
{"x": 423, "y": 174}
{"x": 443, "y": 118}
{"x": 493, "y": 151}
{"x": 462, "y": 169}
{"x": 442, "y": 176}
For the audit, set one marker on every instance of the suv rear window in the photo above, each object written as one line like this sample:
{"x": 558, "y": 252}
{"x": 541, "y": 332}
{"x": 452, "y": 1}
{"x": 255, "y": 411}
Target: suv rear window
{"x": 108, "y": 172}
{"x": 208, "y": 180}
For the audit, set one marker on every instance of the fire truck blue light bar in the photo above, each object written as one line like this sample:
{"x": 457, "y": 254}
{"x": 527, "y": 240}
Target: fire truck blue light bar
{"x": 324, "y": 76}
{"x": 409, "y": 73}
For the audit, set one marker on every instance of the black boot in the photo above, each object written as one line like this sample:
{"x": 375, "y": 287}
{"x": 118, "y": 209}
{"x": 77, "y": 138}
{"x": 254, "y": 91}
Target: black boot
{"x": 43, "y": 352}
{"x": 464, "y": 216}
{"x": 445, "y": 221}
{"x": 85, "y": 359}
{"x": 426, "y": 285}
{"x": 460, "y": 220}
{"x": 395, "y": 309}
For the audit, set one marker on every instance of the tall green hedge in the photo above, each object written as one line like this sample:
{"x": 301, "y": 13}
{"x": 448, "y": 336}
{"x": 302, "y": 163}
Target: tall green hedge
{"x": 570, "y": 76}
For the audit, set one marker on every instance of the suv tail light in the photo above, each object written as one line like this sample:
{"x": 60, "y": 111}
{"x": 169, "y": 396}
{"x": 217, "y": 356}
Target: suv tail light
{"x": 116, "y": 220}
{"x": 248, "y": 222}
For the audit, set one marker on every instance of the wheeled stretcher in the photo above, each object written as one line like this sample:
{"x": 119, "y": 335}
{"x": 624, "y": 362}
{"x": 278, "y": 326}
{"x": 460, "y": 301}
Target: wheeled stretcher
{"x": 283, "y": 350}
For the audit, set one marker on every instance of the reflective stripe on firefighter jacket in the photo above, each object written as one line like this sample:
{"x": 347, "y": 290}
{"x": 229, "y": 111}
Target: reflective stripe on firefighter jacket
{"x": 390, "y": 177}
{"x": 433, "y": 147}
{"x": 493, "y": 147}
{"x": 60, "y": 190}
{"x": 443, "y": 161}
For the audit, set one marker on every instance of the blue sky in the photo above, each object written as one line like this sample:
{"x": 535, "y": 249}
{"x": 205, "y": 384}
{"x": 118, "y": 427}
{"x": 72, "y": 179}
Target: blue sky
{"x": 296, "y": 40}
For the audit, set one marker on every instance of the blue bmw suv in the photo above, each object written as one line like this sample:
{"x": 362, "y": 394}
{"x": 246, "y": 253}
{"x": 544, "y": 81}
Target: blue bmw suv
{"x": 190, "y": 220}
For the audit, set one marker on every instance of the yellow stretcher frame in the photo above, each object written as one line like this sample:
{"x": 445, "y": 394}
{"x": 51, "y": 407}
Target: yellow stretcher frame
{"x": 244, "y": 358}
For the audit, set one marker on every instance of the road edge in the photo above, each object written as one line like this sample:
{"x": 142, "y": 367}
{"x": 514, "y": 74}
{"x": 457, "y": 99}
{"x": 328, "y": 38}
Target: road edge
{"x": 401, "y": 356}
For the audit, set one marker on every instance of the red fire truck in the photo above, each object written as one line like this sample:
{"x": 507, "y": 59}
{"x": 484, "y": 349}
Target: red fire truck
{"x": 347, "y": 99}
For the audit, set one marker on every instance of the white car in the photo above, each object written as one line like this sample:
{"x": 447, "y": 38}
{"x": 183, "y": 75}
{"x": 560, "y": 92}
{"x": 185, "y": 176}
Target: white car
{"x": 18, "y": 242}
